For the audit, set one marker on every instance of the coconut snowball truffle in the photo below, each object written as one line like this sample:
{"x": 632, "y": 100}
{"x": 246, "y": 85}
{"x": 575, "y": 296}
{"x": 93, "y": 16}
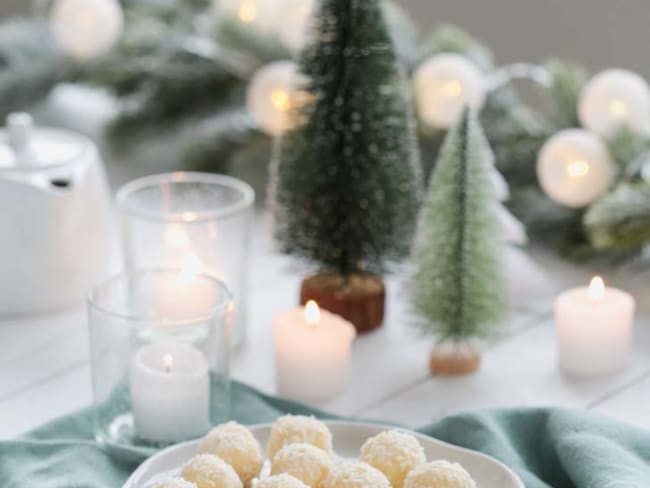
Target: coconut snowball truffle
{"x": 356, "y": 475}
{"x": 175, "y": 483}
{"x": 308, "y": 463}
{"x": 237, "y": 446}
{"x": 295, "y": 429}
{"x": 394, "y": 453}
{"x": 210, "y": 471}
{"x": 441, "y": 474}
{"x": 280, "y": 481}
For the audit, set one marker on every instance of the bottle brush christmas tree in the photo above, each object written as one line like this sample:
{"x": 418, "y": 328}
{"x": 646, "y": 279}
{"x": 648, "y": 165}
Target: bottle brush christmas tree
{"x": 345, "y": 182}
{"x": 458, "y": 288}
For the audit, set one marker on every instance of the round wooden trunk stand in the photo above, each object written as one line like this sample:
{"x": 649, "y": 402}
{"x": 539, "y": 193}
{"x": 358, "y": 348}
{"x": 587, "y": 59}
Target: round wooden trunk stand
{"x": 360, "y": 299}
{"x": 454, "y": 359}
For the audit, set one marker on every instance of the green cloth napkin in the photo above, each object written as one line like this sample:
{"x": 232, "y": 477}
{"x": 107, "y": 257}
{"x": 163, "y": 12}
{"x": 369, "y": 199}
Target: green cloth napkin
{"x": 547, "y": 447}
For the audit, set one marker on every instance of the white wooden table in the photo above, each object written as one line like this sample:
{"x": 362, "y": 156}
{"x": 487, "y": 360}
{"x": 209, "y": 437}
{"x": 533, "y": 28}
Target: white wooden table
{"x": 44, "y": 367}
{"x": 44, "y": 363}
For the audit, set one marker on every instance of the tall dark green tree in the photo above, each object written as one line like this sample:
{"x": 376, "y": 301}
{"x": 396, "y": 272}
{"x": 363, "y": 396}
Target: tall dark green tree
{"x": 346, "y": 179}
{"x": 459, "y": 288}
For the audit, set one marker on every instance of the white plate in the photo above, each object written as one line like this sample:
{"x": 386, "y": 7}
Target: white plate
{"x": 348, "y": 439}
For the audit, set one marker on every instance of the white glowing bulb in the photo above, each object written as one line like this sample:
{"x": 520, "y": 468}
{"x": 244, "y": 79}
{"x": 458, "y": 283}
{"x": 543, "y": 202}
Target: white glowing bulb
{"x": 86, "y": 29}
{"x": 615, "y": 98}
{"x": 271, "y": 96}
{"x": 312, "y": 313}
{"x": 256, "y": 14}
{"x": 444, "y": 85}
{"x": 168, "y": 362}
{"x": 596, "y": 290}
{"x": 574, "y": 168}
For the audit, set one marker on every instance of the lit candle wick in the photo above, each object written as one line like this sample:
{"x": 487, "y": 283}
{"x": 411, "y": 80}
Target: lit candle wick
{"x": 312, "y": 314}
{"x": 168, "y": 361}
{"x": 596, "y": 290}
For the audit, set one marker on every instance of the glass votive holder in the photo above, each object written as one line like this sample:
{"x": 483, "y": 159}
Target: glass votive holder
{"x": 160, "y": 347}
{"x": 196, "y": 221}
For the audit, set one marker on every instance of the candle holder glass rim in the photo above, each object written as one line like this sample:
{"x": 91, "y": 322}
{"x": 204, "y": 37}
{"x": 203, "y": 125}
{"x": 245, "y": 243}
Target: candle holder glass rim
{"x": 220, "y": 306}
{"x": 124, "y": 194}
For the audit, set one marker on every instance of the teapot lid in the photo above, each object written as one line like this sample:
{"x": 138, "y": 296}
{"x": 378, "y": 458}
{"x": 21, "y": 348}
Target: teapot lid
{"x": 26, "y": 147}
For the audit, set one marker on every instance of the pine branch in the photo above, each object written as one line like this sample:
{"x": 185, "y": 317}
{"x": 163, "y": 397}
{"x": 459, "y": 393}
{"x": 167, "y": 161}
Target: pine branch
{"x": 30, "y": 64}
{"x": 451, "y": 39}
{"x": 567, "y": 81}
{"x": 621, "y": 220}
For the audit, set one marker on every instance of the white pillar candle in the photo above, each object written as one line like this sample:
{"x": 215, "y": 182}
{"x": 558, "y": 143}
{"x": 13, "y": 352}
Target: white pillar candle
{"x": 594, "y": 329}
{"x": 312, "y": 352}
{"x": 170, "y": 392}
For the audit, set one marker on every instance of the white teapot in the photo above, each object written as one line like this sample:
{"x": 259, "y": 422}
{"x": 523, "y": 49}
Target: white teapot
{"x": 54, "y": 217}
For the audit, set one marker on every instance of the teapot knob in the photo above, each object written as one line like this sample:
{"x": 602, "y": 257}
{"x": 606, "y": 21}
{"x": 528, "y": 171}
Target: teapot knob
{"x": 19, "y": 131}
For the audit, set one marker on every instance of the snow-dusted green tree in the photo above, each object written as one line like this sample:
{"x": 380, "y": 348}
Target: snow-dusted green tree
{"x": 346, "y": 182}
{"x": 459, "y": 289}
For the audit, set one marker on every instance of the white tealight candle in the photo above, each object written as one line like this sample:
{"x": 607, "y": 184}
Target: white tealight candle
{"x": 170, "y": 392}
{"x": 312, "y": 352}
{"x": 594, "y": 329}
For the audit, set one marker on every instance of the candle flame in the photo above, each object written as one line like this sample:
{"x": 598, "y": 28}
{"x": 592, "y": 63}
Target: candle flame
{"x": 168, "y": 361}
{"x": 578, "y": 168}
{"x": 596, "y": 289}
{"x": 247, "y": 12}
{"x": 452, "y": 89}
{"x": 312, "y": 313}
{"x": 618, "y": 108}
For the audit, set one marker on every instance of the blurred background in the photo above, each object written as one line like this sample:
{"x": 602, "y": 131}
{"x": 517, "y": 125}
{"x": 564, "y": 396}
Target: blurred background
{"x": 599, "y": 33}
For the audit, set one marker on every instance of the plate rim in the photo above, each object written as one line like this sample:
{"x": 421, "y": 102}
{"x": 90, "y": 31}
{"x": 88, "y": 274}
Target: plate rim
{"x": 266, "y": 425}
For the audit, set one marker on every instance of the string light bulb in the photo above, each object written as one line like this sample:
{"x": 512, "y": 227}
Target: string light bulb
{"x": 615, "y": 98}
{"x": 444, "y": 85}
{"x": 272, "y": 96}
{"x": 574, "y": 168}
{"x": 86, "y": 29}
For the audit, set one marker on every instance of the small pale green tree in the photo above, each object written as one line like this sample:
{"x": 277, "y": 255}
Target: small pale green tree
{"x": 459, "y": 290}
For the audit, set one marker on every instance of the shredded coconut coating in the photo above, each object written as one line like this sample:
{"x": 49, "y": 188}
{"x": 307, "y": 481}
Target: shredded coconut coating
{"x": 356, "y": 475}
{"x": 237, "y": 446}
{"x": 308, "y": 463}
{"x": 280, "y": 481}
{"x": 210, "y": 471}
{"x": 441, "y": 474}
{"x": 294, "y": 429}
{"x": 175, "y": 483}
{"x": 394, "y": 453}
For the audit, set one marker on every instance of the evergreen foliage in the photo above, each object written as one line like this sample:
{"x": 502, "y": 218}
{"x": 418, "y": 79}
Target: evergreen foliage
{"x": 346, "y": 179}
{"x": 458, "y": 287}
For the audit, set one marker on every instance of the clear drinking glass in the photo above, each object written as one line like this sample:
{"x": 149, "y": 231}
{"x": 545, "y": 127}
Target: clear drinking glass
{"x": 196, "y": 221}
{"x": 160, "y": 346}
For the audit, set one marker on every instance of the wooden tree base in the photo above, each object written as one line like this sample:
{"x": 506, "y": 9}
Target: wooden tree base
{"x": 360, "y": 299}
{"x": 454, "y": 359}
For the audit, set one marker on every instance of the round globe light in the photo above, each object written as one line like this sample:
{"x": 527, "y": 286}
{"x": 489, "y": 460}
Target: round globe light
{"x": 259, "y": 15}
{"x": 615, "y": 98}
{"x": 85, "y": 29}
{"x": 444, "y": 84}
{"x": 272, "y": 96}
{"x": 574, "y": 168}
